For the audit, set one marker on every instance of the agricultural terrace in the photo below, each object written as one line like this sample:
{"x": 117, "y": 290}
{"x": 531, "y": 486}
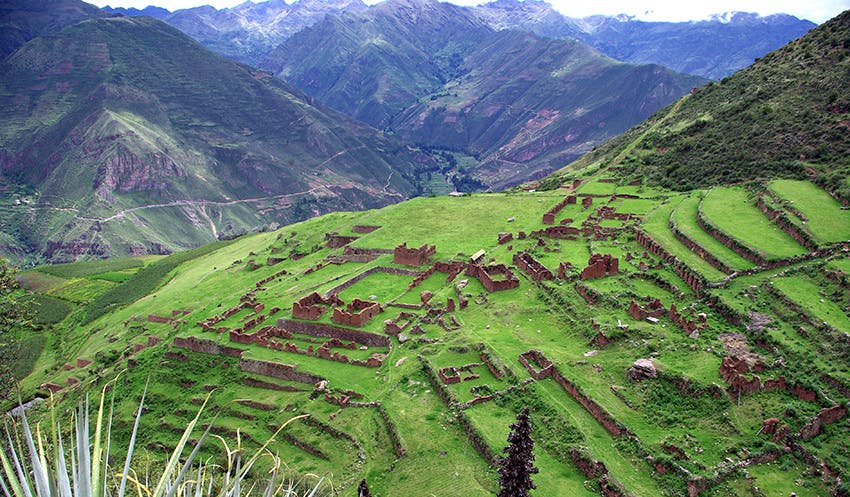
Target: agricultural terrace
{"x": 732, "y": 210}
{"x": 820, "y": 213}
{"x": 413, "y": 334}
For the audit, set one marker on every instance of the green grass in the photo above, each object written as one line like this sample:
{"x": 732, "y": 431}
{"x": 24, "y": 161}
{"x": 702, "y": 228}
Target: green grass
{"x": 734, "y": 212}
{"x": 28, "y": 351}
{"x": 551, "y": 317}
{"x": 656, "y": 223}
{"x": 685, "y": 217}
{"x": 827, "y": 221}
{"x": 89, "y": 268}
{"x": 47, "y": 309}
{"x": 808, "y": 294}
{"x": 842, "y": 265}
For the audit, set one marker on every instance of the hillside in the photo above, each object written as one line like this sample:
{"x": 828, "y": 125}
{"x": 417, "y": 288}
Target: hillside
{"x": 435, "y": 75}
{"x": 23, "y": 20}
{"x": 663, "y": 341}
{"x": 124, "y": 136}
{"x": 787, "y": 115}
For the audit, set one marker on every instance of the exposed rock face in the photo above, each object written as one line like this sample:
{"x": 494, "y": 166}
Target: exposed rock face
{"x": 127, "y": 172}
{"x": 642, "y": 369}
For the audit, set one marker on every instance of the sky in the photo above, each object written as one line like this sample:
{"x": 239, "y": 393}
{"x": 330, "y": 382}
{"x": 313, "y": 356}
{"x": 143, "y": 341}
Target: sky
{"x": 656, "y": 10}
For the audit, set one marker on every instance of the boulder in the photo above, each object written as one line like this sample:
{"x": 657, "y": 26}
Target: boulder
{"x": 642, "y": 369}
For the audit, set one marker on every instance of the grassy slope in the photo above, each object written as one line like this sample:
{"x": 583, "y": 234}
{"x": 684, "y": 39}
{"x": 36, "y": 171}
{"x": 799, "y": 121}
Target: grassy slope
{"x": 772, "y": 119}
{"x": 824, "y": 216}
{"x": 508, "y": 322}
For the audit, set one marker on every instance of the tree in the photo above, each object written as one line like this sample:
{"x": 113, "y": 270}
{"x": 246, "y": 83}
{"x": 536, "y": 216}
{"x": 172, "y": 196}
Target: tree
{"x": 516, "y": 469}
{"x": 363, "y": 489}
{"x": 14, "y": 316}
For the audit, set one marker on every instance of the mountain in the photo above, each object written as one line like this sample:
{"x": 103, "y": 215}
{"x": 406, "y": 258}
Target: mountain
{"x": 23, "y": 20}
{"x": 786, "y": 115}
{"x": 123, "y": 135}
{"x": 249, "y": 30}
{"x": 712, "y": 48}
{"x": 436, "y": 75}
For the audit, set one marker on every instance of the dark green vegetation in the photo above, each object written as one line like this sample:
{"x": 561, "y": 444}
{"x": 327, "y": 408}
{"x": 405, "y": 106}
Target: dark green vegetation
{"x": 439, "y": 76}
{"x": 784, "y": 116}
{"x": 124, "y": 136}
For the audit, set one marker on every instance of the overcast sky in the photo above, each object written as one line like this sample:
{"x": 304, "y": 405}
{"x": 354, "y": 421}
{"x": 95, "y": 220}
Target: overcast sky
{"x": 656, "y": 10}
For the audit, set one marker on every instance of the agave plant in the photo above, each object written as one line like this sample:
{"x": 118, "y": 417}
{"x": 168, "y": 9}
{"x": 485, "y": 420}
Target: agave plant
{"x": 36, "y": 465}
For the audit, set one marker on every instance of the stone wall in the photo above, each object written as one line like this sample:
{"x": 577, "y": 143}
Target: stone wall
{"x": 485, "y": 274}
{"x": 782, "y": 220}
{"x": 599, "y": 266}
{"x": 691, "y": 277}
{"x": 205, "y": 346}
{"x": 356, "y": 313}
{"x": 409, "y": 256}
{"x": 653, "y": 309}
{"x": 731, "y": 243}
{"x": 398, "y": 448}
{"x": 549, "y": 216}
{"x": 277, "y": 370}
{"x": 532, "y": 266}
{"x": 364, "y": 228}
{"x": 378, "y": 269}
{"x": 732, "y": 369}
{"x": 328, "y": 331}
{"x": 826, "y": 416}
{"x": 698, "y": 249}
{"x": 335, "y": 240}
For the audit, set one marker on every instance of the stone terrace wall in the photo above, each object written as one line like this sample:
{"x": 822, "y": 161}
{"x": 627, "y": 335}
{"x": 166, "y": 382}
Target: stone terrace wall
{"x": 691, "y": 277}
{"x": 277, "y": 370}
{"x": 698, "y": 249}
{"x": 364, "y": 228}
{"x": 825, "y": 417}
{"x": 205, "y": 346}
{"x": 335, "y": 240}
{"x": 378, "y": 269}
{"x": 731, "y": 243}
{"x": 327, "y": 331}
{"x": 782, "y": 220}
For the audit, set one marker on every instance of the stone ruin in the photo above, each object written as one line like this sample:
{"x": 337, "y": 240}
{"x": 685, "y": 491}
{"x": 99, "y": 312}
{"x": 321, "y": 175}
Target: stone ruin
{"x": 313, "y": 306}
{"x": 451, "y": 374}
{"x": 549, "y": 216}
{"x": 335, "y": 240}
{"x": 654, "y": 309}
{"x": 535, "y": 269}
{"x": 413, "y": 256}
{"x": 586, "y": 202}
{"x": 599, "y": 266}
{"x": 559, "y": 232}
{"x": 493, "y": 277}
{"x": 356, "y": 313}
{"x": 399, "y": 324}
{"x": 364, "y": 228}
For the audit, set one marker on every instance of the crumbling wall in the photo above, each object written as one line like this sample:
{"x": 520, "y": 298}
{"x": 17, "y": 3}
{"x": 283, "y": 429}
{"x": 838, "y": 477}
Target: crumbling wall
{"x": 335, "y": 240}
{"x": 410, "y": 256}
{"x": 599, "y": 266}
{"x": 485, "y": 274}
{"x": 549, "y": 216}
{"x": 782, "y": 220}
{"x": 535, "y": 269}
{"x": 357, "y": 313}
{"x": 824, "y": 417}
{"x": 328, "y": 331}
{"x": 692, "y": 278}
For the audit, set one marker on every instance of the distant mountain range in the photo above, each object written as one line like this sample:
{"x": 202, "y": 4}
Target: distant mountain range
{"x": 787, "y": 115}
{"x": 711, "y": 48}
{"x": 126, "y": 136}
{"x": 250, "y": 30}
{"x": 438, "y": 76}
